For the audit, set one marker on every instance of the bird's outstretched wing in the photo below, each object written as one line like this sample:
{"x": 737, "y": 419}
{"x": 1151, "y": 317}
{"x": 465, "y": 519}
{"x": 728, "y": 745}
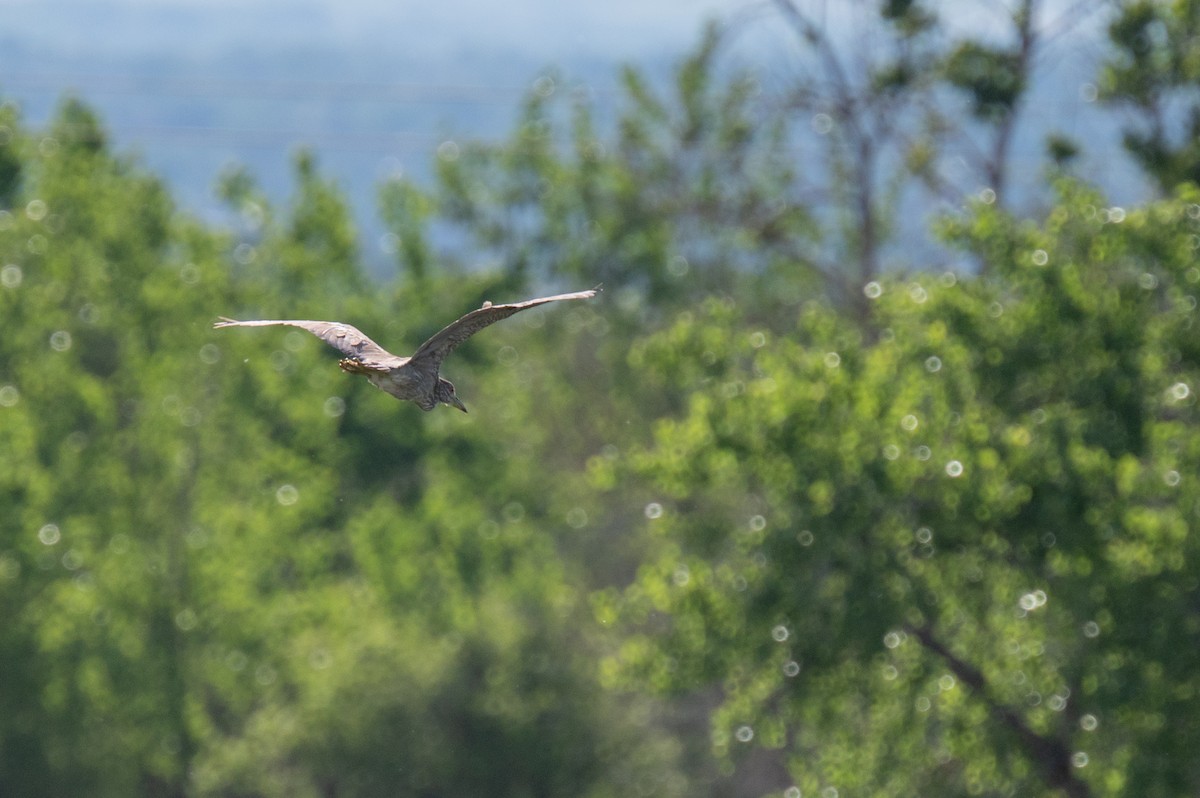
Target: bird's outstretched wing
{"x": 433, "y": 351}
{"x": 346, "y": 339}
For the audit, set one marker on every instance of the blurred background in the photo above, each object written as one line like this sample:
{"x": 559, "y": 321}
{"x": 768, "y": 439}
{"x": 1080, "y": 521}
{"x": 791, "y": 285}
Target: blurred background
{"x": 872, "y": 471}
{"x": 198, "y": 87}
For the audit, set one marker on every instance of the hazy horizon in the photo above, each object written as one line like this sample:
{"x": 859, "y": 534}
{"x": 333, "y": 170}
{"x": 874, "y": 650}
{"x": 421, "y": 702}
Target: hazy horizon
{"x": 372, "y": 87}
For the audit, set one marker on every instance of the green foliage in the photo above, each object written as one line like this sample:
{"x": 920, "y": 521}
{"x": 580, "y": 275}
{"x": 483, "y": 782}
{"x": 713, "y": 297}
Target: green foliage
{"x": 923, "y": 557}
{"x": 691, "y": 197}
{"x": 926, "y": 535}
{"x": 406, "y": 210}
{"x": 1062, "y": 150}
{"x": 992, "y": 77}
{"x": 226, "y": 568}
{"x": 1155, "y": 70}
{"x": 10, "y": 156}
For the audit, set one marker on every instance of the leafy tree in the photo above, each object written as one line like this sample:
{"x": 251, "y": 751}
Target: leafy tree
{"x": 948, "y": 553}
{"x": 1155, "y": 71}
{"x": 692, "y": 195}
{"x": 766, "y": 182}
{"x": 87, "y": 401}
{"x": 228, "y": 569}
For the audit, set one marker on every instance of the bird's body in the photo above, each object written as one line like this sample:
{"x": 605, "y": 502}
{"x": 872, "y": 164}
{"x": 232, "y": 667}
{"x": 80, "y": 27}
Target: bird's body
{"x": 417, "y": 378}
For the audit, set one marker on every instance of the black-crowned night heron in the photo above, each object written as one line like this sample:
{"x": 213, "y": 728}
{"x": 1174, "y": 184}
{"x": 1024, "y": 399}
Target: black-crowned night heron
{"x": 415, "y": 378}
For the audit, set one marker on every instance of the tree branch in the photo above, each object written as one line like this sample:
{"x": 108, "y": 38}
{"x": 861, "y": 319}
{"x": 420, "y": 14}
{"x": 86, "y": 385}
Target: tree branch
{"x": 1048, "y": 753}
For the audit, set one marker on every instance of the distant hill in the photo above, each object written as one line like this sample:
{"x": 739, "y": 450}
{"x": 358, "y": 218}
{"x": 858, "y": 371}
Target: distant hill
{"x": 373, "y": 88}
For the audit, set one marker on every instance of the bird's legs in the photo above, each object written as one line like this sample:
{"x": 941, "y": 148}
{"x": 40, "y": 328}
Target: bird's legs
{"x": 353, "y": 366}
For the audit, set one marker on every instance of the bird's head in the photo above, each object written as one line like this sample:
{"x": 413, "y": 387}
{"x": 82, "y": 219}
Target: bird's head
{"x": 445, "y": 394}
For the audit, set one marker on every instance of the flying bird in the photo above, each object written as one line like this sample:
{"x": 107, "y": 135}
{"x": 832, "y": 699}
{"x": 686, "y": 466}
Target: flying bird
{"x": 415, "y": 379}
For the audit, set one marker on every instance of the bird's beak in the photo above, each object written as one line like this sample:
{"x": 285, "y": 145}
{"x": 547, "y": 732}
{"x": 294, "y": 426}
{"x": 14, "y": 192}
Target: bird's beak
{"x": 456, "y": 402}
